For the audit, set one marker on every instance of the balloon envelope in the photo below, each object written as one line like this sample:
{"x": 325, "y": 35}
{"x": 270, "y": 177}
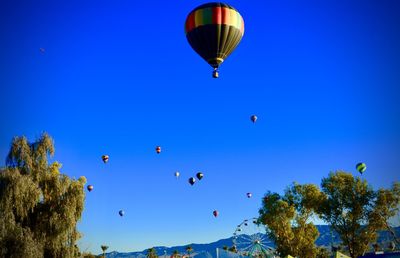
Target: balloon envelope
{"x": 249, "y": 195}
{"x": 361, "y": 167}
{"x": 215, "y": 213}
{"x": 105, "y": 158}
{"x": 214, "y": 30}
{"x": 90, "y": 188}
{"x": 192, "y": 180}
{"x": 177, "y": 174}
{"x": 199, "y": 175}
{"x": 121, "y": 213}
{"x": 253, "y": 118}
{"x": 158, "y": 149}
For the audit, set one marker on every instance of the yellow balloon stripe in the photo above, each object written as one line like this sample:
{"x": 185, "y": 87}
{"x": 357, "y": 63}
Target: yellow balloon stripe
{"x": 205, "y": 16}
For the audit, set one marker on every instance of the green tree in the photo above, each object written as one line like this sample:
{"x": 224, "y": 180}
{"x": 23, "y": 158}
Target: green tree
{"x": 355, "y": 211}
{"x": 151, "y": 253}
{"x": 39, "y": 206}
{"x": 189, "y": 250}
{"x": 323, "y": 253}
{"x": 88, "y": 255}
{"x": 287, "y": 219}
{"x": 175, "y": 254}
{"x": 232, "y": 249}
{"x": 104, "y": 249}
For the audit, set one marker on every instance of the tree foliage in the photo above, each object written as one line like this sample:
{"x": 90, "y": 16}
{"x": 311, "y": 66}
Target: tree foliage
{"x": 355, "y": 211}
{"x": 287, "y": 219}
{"x": 189, "y": 250}
{"x": 151, "y": 253}
{"x": 347, "y": 203}
{"x": 39, "y": 206}
{"x": 175, "y": 254}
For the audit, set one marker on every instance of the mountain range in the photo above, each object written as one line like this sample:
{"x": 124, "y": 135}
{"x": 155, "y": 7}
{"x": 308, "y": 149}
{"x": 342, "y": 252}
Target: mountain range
{"x": 326, "y": 238}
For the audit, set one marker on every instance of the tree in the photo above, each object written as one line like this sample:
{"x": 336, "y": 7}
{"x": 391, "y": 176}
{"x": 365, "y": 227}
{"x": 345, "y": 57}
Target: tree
{"x": 323, "y": 253}
{"x": 88, "y": 255}
{"x": 287, "y": 219}
{"x": 189, "y": 250}
{"x": 175, "y": 254}
{"x": 355, "y": 211}
{"x": 39, "y": 206}
{"x": 232, "y": 249}
{"x": 151, "y": 253}
{"x": 104, "y": 249}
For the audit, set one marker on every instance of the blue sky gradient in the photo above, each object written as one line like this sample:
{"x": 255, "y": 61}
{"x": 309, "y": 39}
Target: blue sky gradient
{"x": 119, "y": 78}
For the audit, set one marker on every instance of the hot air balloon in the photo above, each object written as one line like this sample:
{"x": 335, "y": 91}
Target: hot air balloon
{"x": 214, "y": 30}
{"x": 176, "y": 174}
{"x": 249, "y": 195}
{"x": 42, "y": 50}
{"x": 105, "y": 158}
{"x": 158, "y": 149}
{"x": 215, "y": 213}
{"x": 361, "y": 167}
{"x": 199, "y": 175}
{"x": 90, "y": 188}
{"x": 253, "y": 118}
{"x": 192, "y": 180}
{"x": 121, "y": 213}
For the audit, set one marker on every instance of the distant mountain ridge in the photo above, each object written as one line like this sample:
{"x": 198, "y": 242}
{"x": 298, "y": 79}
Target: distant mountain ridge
{"x": 326, "y": 238}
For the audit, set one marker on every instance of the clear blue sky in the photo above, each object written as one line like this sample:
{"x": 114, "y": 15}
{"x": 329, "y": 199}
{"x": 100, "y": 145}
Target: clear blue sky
{"x": 119, "y": 78}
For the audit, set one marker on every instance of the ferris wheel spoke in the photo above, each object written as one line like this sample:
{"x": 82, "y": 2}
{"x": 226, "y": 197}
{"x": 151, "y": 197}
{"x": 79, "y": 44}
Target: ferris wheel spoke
{"x": 252, "y": 240}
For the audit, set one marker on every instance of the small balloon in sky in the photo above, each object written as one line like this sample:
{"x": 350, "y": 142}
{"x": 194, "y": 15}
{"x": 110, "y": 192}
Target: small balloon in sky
{"x": 361, "y": 167}
{"x": 121, "y": 213}
{"x": 105, "y": 158}
{"x": 176, "y": 174}
{"x": 42, "y": 50}
{"x": 215, "y": 213}
{"x": 158, "y": 149}
{"x": 192, "y": 180}
{"x": 253, "y": 118}
{"x": 199, "y": 175}
{"x": 249, "y": 195}
{"x": 90, "y": 188}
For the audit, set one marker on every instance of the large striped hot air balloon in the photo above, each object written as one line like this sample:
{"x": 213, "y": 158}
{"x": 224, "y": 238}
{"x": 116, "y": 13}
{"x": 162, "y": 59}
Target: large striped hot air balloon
{"x": 214, "y": 30}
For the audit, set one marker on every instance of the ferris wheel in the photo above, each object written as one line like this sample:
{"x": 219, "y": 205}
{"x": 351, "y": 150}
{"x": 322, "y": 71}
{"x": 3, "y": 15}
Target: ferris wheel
{"x": 250, "y": 240}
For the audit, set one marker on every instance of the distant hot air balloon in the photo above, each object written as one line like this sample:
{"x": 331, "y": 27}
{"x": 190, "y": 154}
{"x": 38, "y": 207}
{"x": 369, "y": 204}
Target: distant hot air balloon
{"x": 215, "y": 213}
{"x": 121, "y": 213}
{"x": 214, "y": 30}
{"x": 105, "y": 158}
{"x": 192, "y": 180}
{"x": 176, "y": 174}
{"x": 361, "y": 167}
{"x": 199, "y": 175}
{"x": 158, "y": 149}
{"x": 42, "y": 50}
{"x": 253, "y": 118}
{"x": 90, "y": 188}
{"x": 249, "y": 195}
